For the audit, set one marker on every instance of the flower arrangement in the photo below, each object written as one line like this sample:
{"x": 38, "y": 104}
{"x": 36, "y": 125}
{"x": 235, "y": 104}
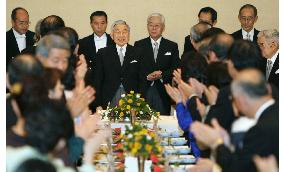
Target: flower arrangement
{"x": 128, "y": 104}
{"x": 139, "y": 141}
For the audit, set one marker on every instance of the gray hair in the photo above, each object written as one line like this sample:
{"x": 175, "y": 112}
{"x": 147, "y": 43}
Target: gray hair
{"x": 197, "y": 30}
{"x": 119, "y": 22}
{"x": 49, "y": 42}
{"x": 270, "y": 35}
{"x": 156, "y": 15}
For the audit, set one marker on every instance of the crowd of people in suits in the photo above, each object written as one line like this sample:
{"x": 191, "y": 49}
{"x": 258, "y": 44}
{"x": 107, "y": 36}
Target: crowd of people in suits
{"x": 224, "y": 88}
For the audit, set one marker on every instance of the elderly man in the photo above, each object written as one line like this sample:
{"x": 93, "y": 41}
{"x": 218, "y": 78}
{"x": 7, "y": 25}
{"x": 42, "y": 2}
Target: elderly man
{"x": 160, "y": 58}
{"x": 207, "y": 15}
{"x": 252, "y": 97}
{"x": 247, "y": 17}
{"x": 268, "y": 42}
{"x": 18, "y": 37}
{"x": 117, "y": 67}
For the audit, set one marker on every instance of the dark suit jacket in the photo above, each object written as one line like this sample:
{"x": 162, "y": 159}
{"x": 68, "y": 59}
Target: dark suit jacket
{"x": 12, "y": 48}
{"x": 187, "y": 45}
{"x": 109, "y": 73}
{"x": 262, "y": 139}
{"x": 167, "y": 61}
{"x": 273, "y": 77}
{"x": 238, "y": 35}
{"x": 87, "y": 47}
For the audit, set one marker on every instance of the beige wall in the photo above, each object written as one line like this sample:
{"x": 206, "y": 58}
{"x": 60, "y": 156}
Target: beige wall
{"x": 180, "y": 14}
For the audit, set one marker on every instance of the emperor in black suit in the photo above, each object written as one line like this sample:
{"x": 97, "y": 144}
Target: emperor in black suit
{"x": 117, "y": 67}
{"x": 157, "y": 72}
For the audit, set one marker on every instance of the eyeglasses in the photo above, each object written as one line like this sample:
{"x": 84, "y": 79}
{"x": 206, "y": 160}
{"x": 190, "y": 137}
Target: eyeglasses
{"x": 23, "y": 23}
{"x": 249, "y": 19}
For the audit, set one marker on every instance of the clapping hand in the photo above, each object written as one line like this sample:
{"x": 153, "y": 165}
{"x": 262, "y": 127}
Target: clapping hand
{"x": 211, "y": 93}
{"x": 203, "y": 165}
{"x": 154, "y": 75}
{"x": 81, "y": 69}
{"x": 174, "y": 93}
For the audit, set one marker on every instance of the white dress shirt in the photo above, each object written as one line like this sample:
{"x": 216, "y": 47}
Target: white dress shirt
{"x": 100, "y": 42}
{"x": 153, "y": 41}
{"x": 21, "y": 40}
{"x": 274, "y": 57}
{"x": 123, "y": 49}
{"x": 245, "y": 34}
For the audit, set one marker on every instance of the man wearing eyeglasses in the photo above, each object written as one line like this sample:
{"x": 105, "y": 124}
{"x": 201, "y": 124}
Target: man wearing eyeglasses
{"x": 247, "y": 17}
{"x": 18, "y": 37}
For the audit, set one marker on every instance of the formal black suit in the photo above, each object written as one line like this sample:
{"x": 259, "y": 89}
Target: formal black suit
{"x": 238, "y": 35}
{"x": 167, "y": 61}
{"x": 109, "y": 73}
{"x": 262, "y": 139}
{"x": 187, "y": 45}
{"x": 87, "y": 47}
{"x": 274, "y": 77}
{"x": 12, "y": 48}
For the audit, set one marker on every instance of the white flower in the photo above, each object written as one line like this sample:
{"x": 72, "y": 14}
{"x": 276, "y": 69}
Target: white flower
{"x": 137, "y": 96}
{"x": 130, "y": 136}
{"x": 130, "y": 127}
{"x": 141, "y": 112}
{"x": 122, "y": 95}
{"x": 148, "y": 137}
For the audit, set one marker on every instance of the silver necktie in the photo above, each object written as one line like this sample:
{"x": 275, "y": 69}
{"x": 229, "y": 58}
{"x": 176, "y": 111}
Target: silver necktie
{"x": 121, "y": 56}
{"x": 248, "y": 37}
{"x": 156, "y": 49}
{"x": 268, "y": 69}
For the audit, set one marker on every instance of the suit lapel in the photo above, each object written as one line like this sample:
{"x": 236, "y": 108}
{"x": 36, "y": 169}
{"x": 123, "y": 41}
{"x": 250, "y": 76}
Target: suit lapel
{"x": 115, "y": 58}
{"x": 274, "y": 67}
{"x": 14, "y": 42}
{"x": 162, "y": 48}
{"x": 127, "y": 57}
{"x": 92, "y": 42}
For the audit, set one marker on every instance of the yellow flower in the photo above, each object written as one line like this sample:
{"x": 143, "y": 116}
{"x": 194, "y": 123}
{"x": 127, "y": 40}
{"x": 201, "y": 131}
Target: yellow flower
{"x": 128, "y": 107}
{"x": 121, "y": 114}
{"x": 134, "y": 151}
{"x": 142, "y": 99}
{"x": 131, "y": 92}
{"x": 129, "y": 100}
{"x": 137, "y": 145}
{"x": 121, "y": 102}
{"x": 158, "y": 113}
{"x": 138, "y": 104}
{"x": 148, "y": 148}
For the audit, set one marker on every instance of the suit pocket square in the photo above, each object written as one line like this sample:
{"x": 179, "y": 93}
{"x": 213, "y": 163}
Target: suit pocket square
{"x": 134, "y": 61}
{"x": 168, "y": 53}
{"x": 277, "y": 72}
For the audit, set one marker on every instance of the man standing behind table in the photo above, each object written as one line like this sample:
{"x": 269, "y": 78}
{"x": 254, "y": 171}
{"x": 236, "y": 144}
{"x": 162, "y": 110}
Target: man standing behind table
{"x": 117, "y": 67}
{"x": 247, "y": 17}
{"x": 90, "y": 45}
{"x": 160, "y": 57}
{"x": 18, "y": 37}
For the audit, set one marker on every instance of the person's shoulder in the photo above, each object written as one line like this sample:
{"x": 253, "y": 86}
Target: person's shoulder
{"x": 30, "y": 32}
{"x": 187, "y": 37}
{"x": 169, "y": 42}
{"x": 141, "y": 41}
{"x": 87, "y": 38}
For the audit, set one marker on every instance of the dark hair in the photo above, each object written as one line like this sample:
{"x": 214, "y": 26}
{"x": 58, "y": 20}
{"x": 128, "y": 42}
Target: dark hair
{"x": 69, "y": 34}
{"x": 248, "y": 6}
{"x": 245, "y": 54}
{"x": 209, "y": 10}
{"x": 98, "y": 13}
{"x": 36, "y": 165}
{"x": 211, "y": 32}
{"x": 51, "y": 76}
{"x": 218, "y": 75}
{"x": 47, "y": 124}
{"x": 24, "y": 65}
{"x": 50, "y": 23}
{"x": 193, "y": 65}
{"x": 31, "y": 92}
{"x": 221, "y": 46}
{"x": 14, "y": 12}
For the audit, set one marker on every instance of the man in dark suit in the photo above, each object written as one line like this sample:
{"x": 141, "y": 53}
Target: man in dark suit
{"x": 18, "y": 37}
{"x": 159, "y": 58}
{"x": 252, "y": 98}
{"x": 116, "y": 67}
{"x": 207, "y": 15}
{"x": 90, "y": 45}
{"x": 247, "y": 17}
{"x": 268, "y": 42}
